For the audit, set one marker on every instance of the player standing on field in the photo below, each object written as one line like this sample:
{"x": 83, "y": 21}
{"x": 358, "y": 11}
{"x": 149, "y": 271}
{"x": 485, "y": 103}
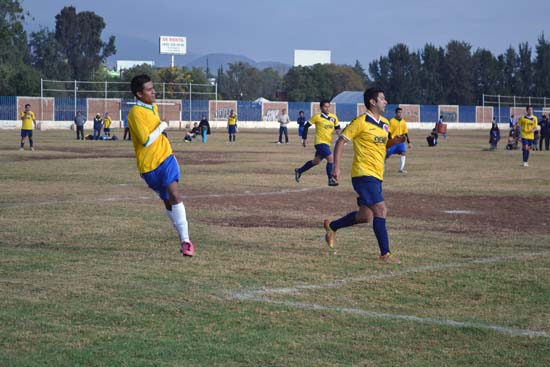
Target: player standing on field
{"x": 156, "y": 163}
{"x": 325, "y": 123}
{"x": 232, "y": 126}
{"x": 28, "y": 122}
{"x": 528, "y": 124}
{"x": 369, "y": 134}
{"x": 399, "y": 130}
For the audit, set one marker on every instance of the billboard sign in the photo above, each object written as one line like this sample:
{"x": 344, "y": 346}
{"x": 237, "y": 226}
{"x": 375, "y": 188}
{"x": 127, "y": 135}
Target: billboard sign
{"x": 172, "y": 45}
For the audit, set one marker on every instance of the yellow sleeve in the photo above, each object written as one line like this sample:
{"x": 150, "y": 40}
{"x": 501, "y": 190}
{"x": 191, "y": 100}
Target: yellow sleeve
{"x": 137, "y": 123}
{"x": 353, "y": 129}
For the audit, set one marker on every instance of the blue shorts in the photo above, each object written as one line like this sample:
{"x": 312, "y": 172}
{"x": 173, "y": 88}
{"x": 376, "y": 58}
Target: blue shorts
{"x": 396, "y": 149}
{"x": 322, "y": 150}
{"x": 107, "y": 129}
{"x": 162, "y": 176}
{"x": 528, "y": 142}
{"x": 300, "y": 131}
{"x": 232, "y": 129}
{"x": 25, "y": 133}
{"x": 369, "y": 190}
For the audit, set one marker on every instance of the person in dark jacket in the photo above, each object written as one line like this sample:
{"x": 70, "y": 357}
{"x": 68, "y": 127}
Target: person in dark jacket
{"x": 79, "y": 122}
{"x": 98, "y": 124}
{"x": 204, "y": 128}
{"x": 544, "y": 133}
{"x": 494, "y": 135}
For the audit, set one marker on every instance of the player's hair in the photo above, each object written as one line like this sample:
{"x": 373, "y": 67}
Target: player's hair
{"x": 323, "y": 101}
{"x": 398, "y": 109}
{"x": 528, "y": 107}
{"x": 138, "y": 82}
{"x": 27, "y": 105}
{"x": 299, "y": 112}
{"x": 371, "y": 93}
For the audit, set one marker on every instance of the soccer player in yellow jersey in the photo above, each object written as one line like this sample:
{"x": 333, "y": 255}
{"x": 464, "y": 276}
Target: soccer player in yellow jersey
{"x": 528, "y": 124}
{"x": 156, "y": 163}
{"x": 232, "y": 126}
{"x": 107, "y": 124}
{"x": 399, "y": 130}
{"x": 325, "y": 124}
{"x": 28, "y": 123}
{"x": 369, "y": 134}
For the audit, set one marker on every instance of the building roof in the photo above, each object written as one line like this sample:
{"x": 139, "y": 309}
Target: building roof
{"x": 348, "y": 97}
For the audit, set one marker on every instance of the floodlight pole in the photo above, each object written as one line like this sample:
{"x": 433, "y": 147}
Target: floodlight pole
{"x": 190, "y": 100}
{"x": 172, "y": 63}
{"x": 75, "y": 88}
{"x": 42, "y": 97}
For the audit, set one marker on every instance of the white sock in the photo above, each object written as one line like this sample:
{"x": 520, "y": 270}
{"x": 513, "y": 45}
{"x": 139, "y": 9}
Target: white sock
{"x": 403, "y": 159}
{"x": 179, "y": 220}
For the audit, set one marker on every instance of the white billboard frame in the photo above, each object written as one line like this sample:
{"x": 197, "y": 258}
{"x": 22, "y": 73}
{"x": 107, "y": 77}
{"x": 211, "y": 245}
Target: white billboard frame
{"x": 311, "y": 57}
{"x": 173, "y": 45}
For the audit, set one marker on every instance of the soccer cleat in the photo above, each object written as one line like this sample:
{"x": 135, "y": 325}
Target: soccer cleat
{"x": 297, "y": 174}
{"x": 21, "y": 148}
{"x": 388, "y": 258}
{"x": 402, "y": 171}
{"x": 332, "y": 182}
{"x": 187, "y": 248}
{"x": 330, "y": 236}
{"x": 525, "y": 164}
{"x": 32, "y": 149}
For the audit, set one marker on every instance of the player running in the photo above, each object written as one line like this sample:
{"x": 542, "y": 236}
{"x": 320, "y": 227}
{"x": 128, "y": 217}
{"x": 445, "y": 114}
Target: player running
{"x": 325, "y": 123}
{"x": 399, "y": 133}
{"x": 156, "y": 163}
{"x": 369, "y": 134}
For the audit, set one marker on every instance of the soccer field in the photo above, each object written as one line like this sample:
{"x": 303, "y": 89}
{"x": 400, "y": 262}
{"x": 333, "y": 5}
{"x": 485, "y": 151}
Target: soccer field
{"x": 91, "y": 274}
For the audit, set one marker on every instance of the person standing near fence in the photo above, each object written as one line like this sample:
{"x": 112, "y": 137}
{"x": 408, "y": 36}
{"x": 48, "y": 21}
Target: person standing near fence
{"x": 283, "y": 121}
{"x": 544, "y": 133}
{"x": 79, "y": 122}
{"x": 98, "y": 124}
{"x": 528, "y": 125}
{"x": 156, "y": 163}
{"x": 369, "y": 134}
{"x": 325, "y": 124}
{"x": 126, "y": 130}
{"x": 301, "y": 122}
{"x": 204, "y": 127}
{"x": 232, "y": 126}
{"x": 28, "y": 123}
{"x": 107, "y": 124}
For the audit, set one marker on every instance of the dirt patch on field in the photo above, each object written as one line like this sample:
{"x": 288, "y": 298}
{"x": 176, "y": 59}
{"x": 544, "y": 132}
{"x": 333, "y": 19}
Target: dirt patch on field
{"x": 465, "y": 214}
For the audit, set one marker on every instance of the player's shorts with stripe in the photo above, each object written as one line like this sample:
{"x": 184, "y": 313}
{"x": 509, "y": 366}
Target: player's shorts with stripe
{"x": 369, "y": 190}
{"x": 25, "y": 133}
{"x": 322, "y": 150}
{"x": 162, "y": 176}
{"x": 232, "y": 129}
{"x": 396, "y": 149}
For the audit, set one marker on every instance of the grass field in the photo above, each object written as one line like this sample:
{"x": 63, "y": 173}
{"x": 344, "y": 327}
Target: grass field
{"x": 91, "y": 274}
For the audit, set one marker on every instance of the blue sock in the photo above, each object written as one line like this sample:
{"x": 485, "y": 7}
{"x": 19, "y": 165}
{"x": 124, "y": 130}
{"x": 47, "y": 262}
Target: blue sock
{"x": 305, "y": 167}
{"x": 525, "y": 155}
{"x": 379, "y": 226}
{"x": 346, "y": 221}
{"x": 329, "y": 169}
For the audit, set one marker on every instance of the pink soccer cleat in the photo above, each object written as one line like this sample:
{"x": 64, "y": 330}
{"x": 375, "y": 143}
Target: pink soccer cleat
{"x": 187, "y": 248}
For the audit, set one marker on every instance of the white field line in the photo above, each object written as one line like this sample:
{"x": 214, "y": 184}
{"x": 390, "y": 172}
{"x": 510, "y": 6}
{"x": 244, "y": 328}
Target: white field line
{"x": 260, "y": 295}
{"x": 154, "y": 197}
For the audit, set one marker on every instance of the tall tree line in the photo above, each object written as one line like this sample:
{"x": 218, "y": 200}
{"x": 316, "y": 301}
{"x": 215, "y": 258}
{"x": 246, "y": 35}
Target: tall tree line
{"x": 457, "y": 74}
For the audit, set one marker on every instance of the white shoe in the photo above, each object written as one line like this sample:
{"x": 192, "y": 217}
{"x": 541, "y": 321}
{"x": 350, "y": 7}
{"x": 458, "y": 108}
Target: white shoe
{"x": 525, "y": 164}
{"x": 402, "y": 171}
{"x": 279, "y": 142}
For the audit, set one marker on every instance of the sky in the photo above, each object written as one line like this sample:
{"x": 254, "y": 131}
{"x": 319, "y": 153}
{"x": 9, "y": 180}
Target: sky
{"x": 266, "y": 30}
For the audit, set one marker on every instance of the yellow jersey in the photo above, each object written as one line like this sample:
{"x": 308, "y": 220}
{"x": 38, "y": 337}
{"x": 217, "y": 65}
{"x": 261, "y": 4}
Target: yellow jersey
{"x": 142, "y": 120}
{"x": 324, "y": 126}
{"x": 107, "y": 122}
{"x": 369, "y": 138}
{"x": 398, "y": 127}
{"x": 528, "y": 123}
{"x": 27, "y": 119}
{"x": 232, "y": 120}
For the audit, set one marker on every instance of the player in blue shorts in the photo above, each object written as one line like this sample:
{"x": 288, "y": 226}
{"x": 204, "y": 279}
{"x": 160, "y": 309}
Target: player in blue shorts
{"x": 369, "y": 134}
{"x": 156, "y": 163}
{"x": 399, "y": 133}
{"x": 325, "y": 123}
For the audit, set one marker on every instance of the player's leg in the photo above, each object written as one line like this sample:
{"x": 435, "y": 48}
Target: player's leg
{"x": 330, "y": 164}
{"x": 403, "y": 160}
{"x": 285, "y": 131}
{"x": 307, "y": 166}
{"x": 23, "y": 134}
{"x": 29, "y": 135}
{"x": 525, "y": 146}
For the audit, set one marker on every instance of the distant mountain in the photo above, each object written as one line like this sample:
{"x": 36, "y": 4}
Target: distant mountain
{"x": 217, "y": 59}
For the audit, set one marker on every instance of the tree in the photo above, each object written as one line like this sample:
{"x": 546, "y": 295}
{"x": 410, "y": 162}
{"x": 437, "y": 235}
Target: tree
{"x": 524, "y": 76}
{"x": 431, "y": 85}
{"x": 542, "y": 67}
{"x": 270, "y": 81}
{"x": 47, "y": 55}
{"x": 358, "y": 68}
{"x": 299, "y": 84}
{"x": 79, "y": 35}
{"x": 458, "y": 76}
{"x": 510, "y": 69}
{"x": 486, "y": 73}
